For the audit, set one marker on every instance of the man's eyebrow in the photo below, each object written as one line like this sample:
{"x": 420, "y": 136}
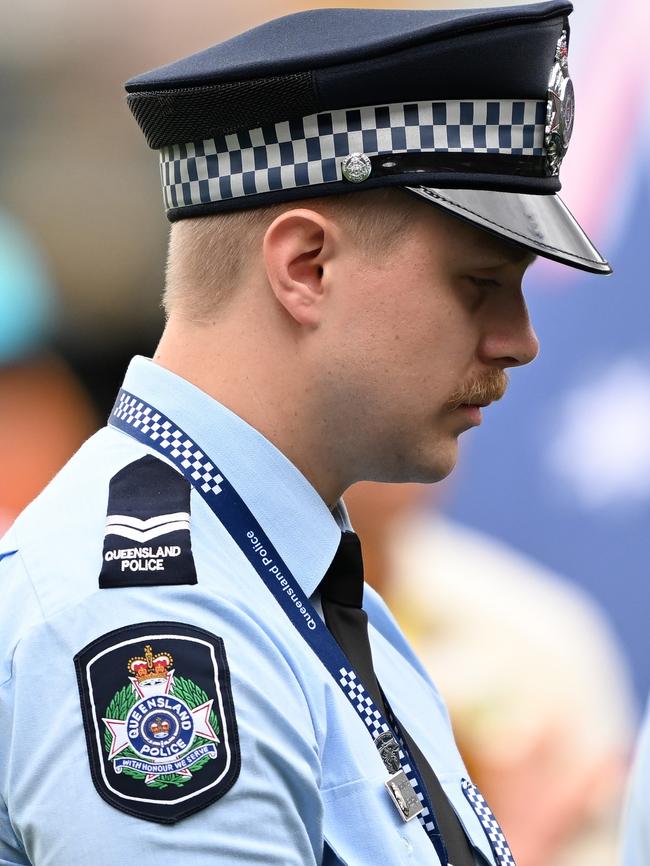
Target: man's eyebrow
{"x": 511, "y": 254}
{"x": 519, "y": 255}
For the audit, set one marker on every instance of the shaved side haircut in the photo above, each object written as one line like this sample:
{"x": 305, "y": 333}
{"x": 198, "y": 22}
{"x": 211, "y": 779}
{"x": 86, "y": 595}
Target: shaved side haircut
{"x": 207, "y": 256}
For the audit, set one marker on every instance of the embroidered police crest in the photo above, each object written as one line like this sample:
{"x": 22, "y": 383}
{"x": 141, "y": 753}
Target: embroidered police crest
{"x": 159, "y": 719}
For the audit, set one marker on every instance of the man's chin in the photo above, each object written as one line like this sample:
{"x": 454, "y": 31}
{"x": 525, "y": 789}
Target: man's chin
{"x": 426, "y": 468}
{"x": 437, "y": 473}
{"x": 441, "y": 464}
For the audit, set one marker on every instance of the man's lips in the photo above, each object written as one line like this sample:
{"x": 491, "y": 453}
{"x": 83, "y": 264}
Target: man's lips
{"x": 472, "y": 411}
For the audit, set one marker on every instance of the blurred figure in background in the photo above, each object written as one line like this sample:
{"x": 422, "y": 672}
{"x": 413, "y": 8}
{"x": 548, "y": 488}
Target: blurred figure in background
{"x": 44, "y": 413}
{"x": 538, "y": 694}
{"x": 635, "y": 846}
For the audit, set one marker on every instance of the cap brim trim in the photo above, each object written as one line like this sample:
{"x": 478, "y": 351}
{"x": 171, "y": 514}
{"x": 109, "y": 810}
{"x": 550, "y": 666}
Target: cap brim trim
{"x": 541, "y": 223}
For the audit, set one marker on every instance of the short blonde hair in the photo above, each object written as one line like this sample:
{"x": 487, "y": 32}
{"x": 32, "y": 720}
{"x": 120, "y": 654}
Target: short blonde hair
{"x": 207, "y": 256}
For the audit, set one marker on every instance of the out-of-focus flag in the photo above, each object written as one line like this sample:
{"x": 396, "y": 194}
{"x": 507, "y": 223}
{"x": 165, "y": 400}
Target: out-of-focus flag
{"x": 561, "y": 469}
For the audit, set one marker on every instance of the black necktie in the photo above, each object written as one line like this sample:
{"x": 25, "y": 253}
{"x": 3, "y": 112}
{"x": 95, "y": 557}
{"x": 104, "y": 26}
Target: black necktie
{"x": 341, "y": 592}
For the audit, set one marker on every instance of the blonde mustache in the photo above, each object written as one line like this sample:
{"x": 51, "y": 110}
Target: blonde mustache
{"x": 486, "y": 388}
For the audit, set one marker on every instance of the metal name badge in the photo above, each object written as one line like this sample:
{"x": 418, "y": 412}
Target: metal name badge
{"x": 398, "y": 784}
{"x": 560, "y": 109}
{"x": 403, "y": 796}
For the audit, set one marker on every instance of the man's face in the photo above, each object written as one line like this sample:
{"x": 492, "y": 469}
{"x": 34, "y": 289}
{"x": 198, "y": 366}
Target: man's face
{"x": 416, "y": 339}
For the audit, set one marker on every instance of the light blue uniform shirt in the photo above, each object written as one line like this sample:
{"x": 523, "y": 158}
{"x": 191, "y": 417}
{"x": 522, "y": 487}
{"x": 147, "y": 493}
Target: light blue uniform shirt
{"x": 311, "y": 786}
{"x": 636, "y": 830}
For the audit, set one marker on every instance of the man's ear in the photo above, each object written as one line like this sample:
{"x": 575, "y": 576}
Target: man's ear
{"x": 297, "y": 247}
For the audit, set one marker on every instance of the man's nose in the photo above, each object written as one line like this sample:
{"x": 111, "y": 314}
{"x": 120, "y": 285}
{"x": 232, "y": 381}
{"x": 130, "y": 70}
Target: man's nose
{"x": 509, "y": 338}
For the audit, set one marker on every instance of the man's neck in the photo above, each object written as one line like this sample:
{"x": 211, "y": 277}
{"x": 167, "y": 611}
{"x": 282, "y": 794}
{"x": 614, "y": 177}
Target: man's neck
{"x": 249, "y": 373}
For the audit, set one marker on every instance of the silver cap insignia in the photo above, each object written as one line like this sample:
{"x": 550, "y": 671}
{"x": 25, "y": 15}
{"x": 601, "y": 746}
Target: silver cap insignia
{"x": 560, "y": 109}
{"x": 356, "y": 167}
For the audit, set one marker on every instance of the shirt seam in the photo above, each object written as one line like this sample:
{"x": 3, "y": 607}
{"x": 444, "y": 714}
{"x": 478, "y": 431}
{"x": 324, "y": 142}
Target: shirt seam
{"x": 23, "y": 634}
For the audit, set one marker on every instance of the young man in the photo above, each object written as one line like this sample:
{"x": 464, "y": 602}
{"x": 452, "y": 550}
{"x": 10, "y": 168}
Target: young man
{"x": 238, "y": 698}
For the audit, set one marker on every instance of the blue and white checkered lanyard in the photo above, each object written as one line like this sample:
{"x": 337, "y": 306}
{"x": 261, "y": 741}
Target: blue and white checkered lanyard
{"x": 404, "y": 784}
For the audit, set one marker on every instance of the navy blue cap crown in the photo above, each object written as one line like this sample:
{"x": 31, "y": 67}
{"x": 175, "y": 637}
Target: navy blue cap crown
{"x": 335, "y": 100}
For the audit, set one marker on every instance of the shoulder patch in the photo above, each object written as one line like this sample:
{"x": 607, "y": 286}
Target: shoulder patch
{"x": 147, "y": 540}
{"x": 159, "y": 719}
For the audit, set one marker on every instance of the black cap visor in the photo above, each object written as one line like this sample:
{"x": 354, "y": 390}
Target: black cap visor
{"x": 541, "y": 223}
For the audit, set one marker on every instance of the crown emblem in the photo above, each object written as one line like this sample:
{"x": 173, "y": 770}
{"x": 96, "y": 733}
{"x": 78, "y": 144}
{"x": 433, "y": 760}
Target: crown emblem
{"x": 150, "y": 666}
{"x": 159, "y": 728}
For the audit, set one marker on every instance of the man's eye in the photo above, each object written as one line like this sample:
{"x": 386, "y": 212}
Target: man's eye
{"x": 485, "y": 283}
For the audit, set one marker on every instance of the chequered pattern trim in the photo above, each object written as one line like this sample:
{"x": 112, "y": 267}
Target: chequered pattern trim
{"x": 309, "y": 150}
{"x": 365, "y": 707}
{"x": 363, "y": 703}
{"x": 136, "y": 414}
{"x": 493, "y": 831}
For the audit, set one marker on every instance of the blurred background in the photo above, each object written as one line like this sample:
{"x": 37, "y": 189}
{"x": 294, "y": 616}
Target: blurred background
{"x": 523, "y": 579}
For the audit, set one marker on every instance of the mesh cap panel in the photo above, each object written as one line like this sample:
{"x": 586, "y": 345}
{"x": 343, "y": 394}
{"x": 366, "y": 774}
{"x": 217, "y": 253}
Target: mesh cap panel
{"x": 194, "y": 113}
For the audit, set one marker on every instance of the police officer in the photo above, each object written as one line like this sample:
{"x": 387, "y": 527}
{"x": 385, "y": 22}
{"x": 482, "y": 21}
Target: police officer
{"x": 192, "y": 670}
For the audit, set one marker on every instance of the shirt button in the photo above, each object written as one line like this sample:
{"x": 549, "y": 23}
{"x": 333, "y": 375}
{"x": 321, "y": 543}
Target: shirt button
{"x": 407, "y": 844}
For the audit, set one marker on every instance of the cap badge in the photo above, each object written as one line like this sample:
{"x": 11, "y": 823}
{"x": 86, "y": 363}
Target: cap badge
{"x": 560, "y": 108}
{"x": 356, "y": 167}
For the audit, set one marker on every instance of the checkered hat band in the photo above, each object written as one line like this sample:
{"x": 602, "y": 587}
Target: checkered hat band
{"x": 494, "y": 833}
{"x": 309, "y": 151}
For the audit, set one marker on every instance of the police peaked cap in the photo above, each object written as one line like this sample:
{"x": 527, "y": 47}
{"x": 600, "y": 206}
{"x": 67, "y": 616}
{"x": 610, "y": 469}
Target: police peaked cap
{"x": 471, "y": 109}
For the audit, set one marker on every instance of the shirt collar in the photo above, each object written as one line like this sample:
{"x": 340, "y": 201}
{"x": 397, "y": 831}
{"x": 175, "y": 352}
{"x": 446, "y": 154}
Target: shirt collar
{"x": 293, "y": 515}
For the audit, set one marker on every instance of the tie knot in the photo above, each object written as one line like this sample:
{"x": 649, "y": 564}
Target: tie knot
{"x": 343, "y": 581}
